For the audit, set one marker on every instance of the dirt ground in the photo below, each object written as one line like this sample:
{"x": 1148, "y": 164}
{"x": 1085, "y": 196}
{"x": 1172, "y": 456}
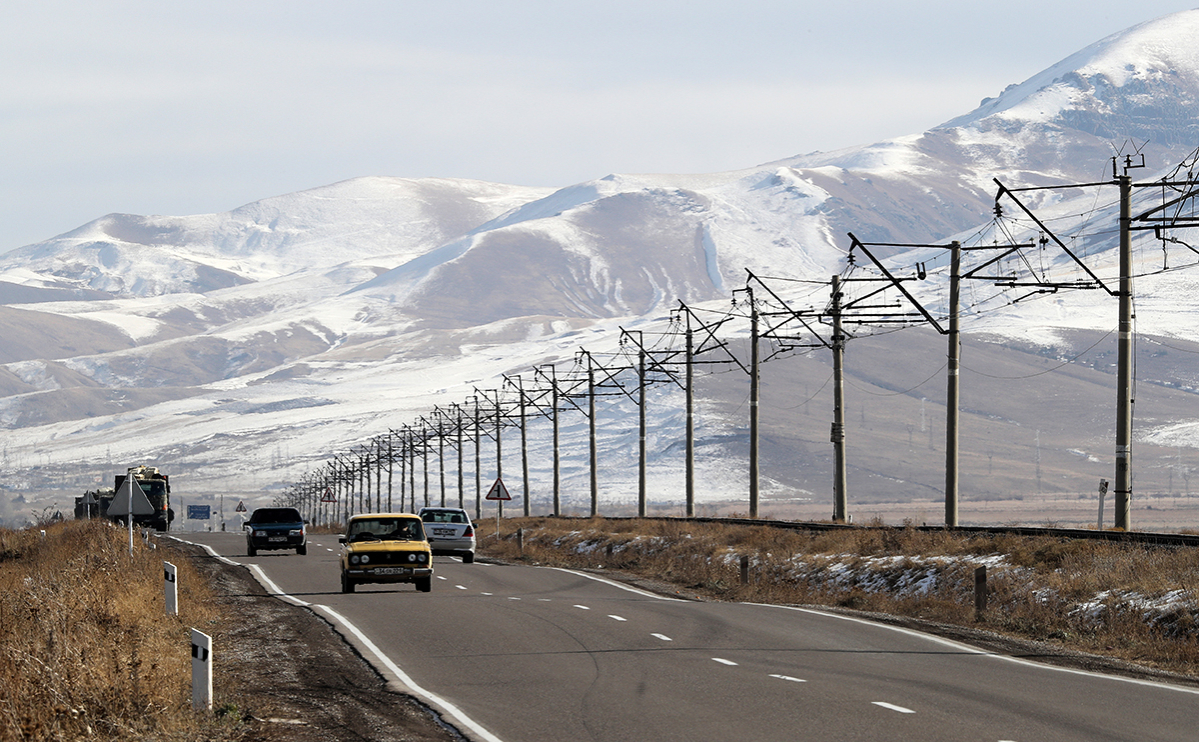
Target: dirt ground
{"x": 293, "y": 678}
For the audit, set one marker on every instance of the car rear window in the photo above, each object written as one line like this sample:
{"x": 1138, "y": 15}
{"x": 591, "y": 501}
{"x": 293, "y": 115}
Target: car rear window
{"x": 276, "y": 515}
{"x": 439, "y": 516}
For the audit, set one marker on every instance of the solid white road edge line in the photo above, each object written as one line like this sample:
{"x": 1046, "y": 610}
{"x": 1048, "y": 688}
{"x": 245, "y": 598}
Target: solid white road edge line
{"x": 975, "y": 650}
{"x": 437, "y": 702}
{"x": 893, "y": 707}
{"x": 613, "y": 583}
{"x": 444, "y": 707}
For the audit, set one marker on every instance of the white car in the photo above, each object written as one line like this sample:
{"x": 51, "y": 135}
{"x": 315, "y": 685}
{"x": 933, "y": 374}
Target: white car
{"x": 450, "y": 532}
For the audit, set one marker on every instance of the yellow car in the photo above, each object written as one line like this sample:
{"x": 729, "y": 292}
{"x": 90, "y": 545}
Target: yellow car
{"x": 385, "y": 547}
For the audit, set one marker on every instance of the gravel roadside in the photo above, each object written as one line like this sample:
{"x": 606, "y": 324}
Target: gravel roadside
{"x": 293, "y": 678}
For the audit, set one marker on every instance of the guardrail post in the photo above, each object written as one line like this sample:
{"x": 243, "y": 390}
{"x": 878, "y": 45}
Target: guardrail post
{"x": 171, "y": 588}
{"x": 201, "y": 671}
{"x": 980, "y": 592}
{"x": 520, "y": 540}
{"x": 745, "y": 569}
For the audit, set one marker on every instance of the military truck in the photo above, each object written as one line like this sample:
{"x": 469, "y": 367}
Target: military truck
{"x": 151, "y": 506}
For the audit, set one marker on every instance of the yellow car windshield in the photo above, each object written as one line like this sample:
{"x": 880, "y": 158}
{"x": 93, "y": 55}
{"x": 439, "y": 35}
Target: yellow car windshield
{"x": 386, "y": 529}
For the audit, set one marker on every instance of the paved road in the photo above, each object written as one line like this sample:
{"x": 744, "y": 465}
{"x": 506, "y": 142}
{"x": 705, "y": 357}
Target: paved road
{"x": 534, "y": 654}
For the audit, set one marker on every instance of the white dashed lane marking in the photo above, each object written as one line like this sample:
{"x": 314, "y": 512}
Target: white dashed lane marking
{"x": 663, "y": 637}
{"x": 460, "y": 587}
{"x": 893, "y": 707}
{"x": 582, "y": 607}
{"x": 616, "y": 618}
{"x": 724, "y": 662}
{"x": 788, "y": 677}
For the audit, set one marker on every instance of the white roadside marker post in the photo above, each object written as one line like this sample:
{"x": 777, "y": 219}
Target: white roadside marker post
{"x": 171, "y": 588}
{"x": 201, "y": 671}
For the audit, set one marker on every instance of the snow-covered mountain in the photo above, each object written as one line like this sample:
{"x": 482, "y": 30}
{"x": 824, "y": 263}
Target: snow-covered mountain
{"x": 242, "y": 349}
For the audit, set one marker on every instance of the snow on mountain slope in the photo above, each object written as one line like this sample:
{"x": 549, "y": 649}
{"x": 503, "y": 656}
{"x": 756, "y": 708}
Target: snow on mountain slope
{"x": 263, "y": 339}
{"x": 365, "y": 217}
{"x": 1147, "y": 65}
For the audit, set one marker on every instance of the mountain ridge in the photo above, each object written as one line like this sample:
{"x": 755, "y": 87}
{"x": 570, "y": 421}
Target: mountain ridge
{"x": 383, "y": 296}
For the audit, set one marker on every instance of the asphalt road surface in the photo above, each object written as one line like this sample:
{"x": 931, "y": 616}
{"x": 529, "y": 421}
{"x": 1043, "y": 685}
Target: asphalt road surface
{"x": 528, "y": 654}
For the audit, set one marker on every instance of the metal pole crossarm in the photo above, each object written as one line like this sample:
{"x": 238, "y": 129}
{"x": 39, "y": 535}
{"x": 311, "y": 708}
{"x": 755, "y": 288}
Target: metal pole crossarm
{"x": 792, "y": 314}
{"x": 526, "y": 397}
{"x": 1008, "y": 250}
{"x": 1011, "y": 193}
{"x": 609, "y": 375}
{"x": 655, "y": 365}
{"x": 899, "y": 285}
{"x": 488, "y": 415}
{"x": 1176, "y": 221}
{"x": 710, "y": 334}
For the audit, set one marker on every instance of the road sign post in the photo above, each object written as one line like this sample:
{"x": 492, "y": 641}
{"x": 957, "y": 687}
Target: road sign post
{"x": 201, "y": 671}
{"x": 498, "y": 493}
{"x": 1102, "y": 494}
{"x": 171, "y": 588}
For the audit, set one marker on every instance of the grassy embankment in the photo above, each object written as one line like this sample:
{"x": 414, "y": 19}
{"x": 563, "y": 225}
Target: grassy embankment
{"x": 86, "y": 650}
{"x": 1134, "y": 603}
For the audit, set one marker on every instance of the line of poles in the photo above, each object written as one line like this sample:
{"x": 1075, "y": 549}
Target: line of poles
{"x": 353, "y": 481}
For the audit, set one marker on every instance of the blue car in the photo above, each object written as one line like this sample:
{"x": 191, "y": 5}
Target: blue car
{"x": 276, "y": 528}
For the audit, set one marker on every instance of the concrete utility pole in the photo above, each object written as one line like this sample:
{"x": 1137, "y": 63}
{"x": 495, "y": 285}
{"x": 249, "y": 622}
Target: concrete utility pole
{"x": 461, "y": 481}
{"x": 1123, "y": 482}
{"x": 440, "y": 451}
{"x": 404, "y": 468}
{"x": 519, "y": 385}
{"x": 424, "y": 456}
{"x": 478, "y": 462}
{"x": 690, "y": 396}
{"x": 638, "y": 338}
{"x": 499, "y": 451}
{"x": 592, "y": 441}
{"x": 412, "y": 470}
{"x": 840, "y": 495}
{"x": 753, "y": 404}
{"x": 552, "y": 377}
{"x": 642, "y": 502}
{"x": 952, "y": 388}
{"x": 1122, "y": 488}
{"x": 390, "y": 466}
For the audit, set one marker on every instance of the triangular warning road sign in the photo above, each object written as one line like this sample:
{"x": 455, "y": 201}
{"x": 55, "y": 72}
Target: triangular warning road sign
{"x": 130, "y": 494}
{"x": 498, "y": 491}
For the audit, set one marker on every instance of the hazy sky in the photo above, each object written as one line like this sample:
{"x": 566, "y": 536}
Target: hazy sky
{"x": 189, "y": 107}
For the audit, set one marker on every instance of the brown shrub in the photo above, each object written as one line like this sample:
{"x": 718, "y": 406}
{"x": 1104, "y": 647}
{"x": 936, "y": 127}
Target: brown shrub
{"x": 86, "y": 650}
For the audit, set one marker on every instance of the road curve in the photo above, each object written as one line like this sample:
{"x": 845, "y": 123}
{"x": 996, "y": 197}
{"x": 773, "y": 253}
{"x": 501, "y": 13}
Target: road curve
{"x": 537, "y": 654}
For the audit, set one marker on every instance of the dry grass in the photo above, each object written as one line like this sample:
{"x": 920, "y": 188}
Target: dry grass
{"x": 1131, "y": 602}
{"x": 86, "y": 650}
